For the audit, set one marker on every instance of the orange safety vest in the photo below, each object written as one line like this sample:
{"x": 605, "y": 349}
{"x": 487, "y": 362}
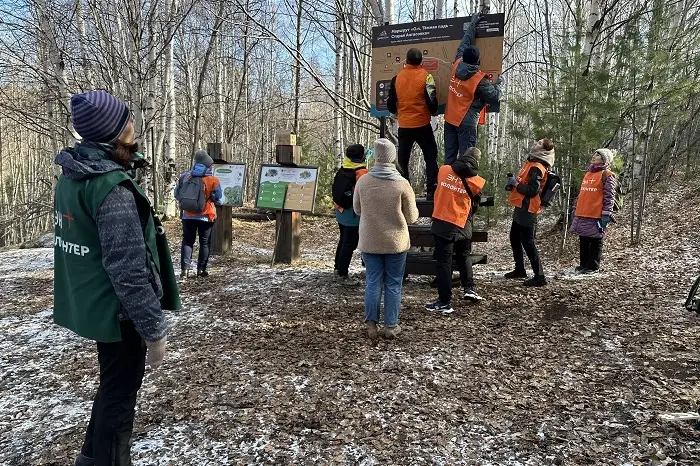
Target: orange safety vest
{"x": 413, "y": 111}
{"x": 516, "y": 199}
{"x": 591, "y": 195}
{"x": 452, "y": 202}
{"x": 358, "y": 173}
{"x": 460, "y": 95}
{"x": 210, "y": 183}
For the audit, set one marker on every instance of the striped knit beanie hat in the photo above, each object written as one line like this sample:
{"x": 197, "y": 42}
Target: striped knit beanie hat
{"x": 98, "y": 116}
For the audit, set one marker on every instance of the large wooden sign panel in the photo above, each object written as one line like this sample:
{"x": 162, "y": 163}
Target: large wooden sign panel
{"x": 439, "y": 41}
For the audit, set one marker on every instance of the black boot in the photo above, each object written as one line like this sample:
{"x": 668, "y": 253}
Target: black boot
{"x": 202, "y": 273}
{"x": 83, "y": 460}
{"x": 516, "y": 274}
{"x": 537, "y": 280}
{"x": 122, "y": 449}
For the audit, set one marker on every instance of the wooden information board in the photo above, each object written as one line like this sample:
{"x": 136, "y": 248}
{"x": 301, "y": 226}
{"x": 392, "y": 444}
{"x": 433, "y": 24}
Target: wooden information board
{"x": 291, "y": 189}
{"x": 438, "y": 40}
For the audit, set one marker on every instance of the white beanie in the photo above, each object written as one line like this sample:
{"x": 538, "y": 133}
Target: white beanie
{"x": 607, "y": 155}
{"x": 384, "y": 151}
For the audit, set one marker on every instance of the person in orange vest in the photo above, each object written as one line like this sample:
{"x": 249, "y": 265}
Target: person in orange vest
{"x": 456, "y": 200}
{"x": 470, "y": 91}
{"x": 413, "y": 99}
{"x": 593, "y": 210}
{"x": 525, "y": 190}
{"x": 353, "y": 167}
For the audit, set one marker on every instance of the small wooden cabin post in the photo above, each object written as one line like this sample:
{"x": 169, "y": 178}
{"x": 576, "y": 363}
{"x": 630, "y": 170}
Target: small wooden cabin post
{"x": 288, "y": 226}
{"x": 222, "y": 234}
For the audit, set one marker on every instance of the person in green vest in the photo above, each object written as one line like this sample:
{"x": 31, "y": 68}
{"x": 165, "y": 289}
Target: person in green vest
{"x": 113, "y": 275}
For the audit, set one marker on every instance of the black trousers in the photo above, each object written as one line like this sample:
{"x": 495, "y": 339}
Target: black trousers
{"x": 444, "y": 250}
{"x": 426, "y": 141}
{"x": 190, "y": 229}
{"x": 590, "y": 252}
{"x": 122, "y": 365}
{"x": 523, "y": 238}
{"x": 347, "y": 243}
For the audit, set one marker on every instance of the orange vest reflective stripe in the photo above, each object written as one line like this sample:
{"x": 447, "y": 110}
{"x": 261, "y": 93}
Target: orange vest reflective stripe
{"x": 412, "y": 109}
{"x": 516, "y": 199}
{"x": 460, "y": 95}
{"x": 452, "y": 202}
{"x": 591, "y": 195}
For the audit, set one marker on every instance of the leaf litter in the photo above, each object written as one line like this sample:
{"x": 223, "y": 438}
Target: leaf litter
{"x": 269, "y": 364}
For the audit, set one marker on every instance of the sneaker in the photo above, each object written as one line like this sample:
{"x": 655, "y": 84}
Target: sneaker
{"x": 392, "y": 332}
{"x": 202, "y": 273}
{"x": 537, "y": 280}
{"x": 185, "y": 273}
{"x": 472, "y": 295}
{"x": 371, "y": 330}
{"x": 437, "y": 306}
{"x": 347, "y": 281}
{"x": 516, "y": 274}
{"x": 580, "y": 269}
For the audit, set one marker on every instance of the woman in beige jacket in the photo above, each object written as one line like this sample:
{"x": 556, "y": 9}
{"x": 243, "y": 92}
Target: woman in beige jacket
{"x": 387, "y": 205}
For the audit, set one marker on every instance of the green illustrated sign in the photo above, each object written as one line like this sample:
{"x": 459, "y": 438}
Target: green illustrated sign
{"x": 232, "y": 178}
{"x": 287, "y": 188}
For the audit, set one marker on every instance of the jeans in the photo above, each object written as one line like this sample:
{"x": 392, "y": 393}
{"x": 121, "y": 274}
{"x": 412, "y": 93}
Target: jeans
{"x": 122, "y": 365}
{"x": 444, "y": 249}
{"x": 426, "y": 141}
{"x": 384, "y": 273}
{"x": 590, "y": 251}
{"x": 347, "y": 243}
{"x": 458, "y": 139}
{"x": 190, "y": 228}
{"x": 522, "y": 237}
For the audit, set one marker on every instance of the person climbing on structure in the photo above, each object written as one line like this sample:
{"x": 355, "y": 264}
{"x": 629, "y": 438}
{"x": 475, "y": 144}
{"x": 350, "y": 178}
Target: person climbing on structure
{"x": 456, "y": 200}
{"x": 470, "y": 91}
{"x": 413, "y": 98}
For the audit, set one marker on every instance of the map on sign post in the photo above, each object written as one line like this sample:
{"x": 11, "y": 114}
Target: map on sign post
{"x": 287, "y": 188}
{"x": 232, "y": 178}
{"x": 438, "y": 40}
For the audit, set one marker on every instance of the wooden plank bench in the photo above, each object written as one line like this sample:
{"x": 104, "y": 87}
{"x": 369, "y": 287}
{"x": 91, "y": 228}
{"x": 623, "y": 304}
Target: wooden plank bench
{"x": 421, "y": 237}
{"x": 422, "y": 263}
{"x": 425, "y": 207}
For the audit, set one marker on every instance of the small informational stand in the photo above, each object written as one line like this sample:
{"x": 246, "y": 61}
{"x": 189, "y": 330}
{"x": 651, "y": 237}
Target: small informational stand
{"x": 222, "y": 234}
{"x": 289, "y": 189}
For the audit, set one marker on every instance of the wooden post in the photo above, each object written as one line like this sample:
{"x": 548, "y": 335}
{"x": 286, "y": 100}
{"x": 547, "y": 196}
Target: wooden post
{"x": 288, "y": 227}
{"x": 222, "y": 234}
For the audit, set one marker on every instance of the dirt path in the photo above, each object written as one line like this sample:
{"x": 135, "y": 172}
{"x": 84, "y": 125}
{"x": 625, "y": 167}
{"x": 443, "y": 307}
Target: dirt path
{"x": 269, "y": 364}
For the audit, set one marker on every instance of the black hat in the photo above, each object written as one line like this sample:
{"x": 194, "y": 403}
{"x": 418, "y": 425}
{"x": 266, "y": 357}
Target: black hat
{"x": 471, "y": 55}
{"x": 355, "y": 152}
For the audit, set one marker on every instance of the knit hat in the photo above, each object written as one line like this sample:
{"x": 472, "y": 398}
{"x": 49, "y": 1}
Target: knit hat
{"x": 543, "y": 151}
{"x": 356, "y": 153}
{"x": 384, "y": 151}
{"x": 98, "y": 116}
{"x": 471, "y": 55}
{"x": 202, "y": 157}
{"x": 607, "y": 155}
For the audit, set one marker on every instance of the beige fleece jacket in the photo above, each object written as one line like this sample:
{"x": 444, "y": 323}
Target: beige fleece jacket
{"x": 386, "y": 208}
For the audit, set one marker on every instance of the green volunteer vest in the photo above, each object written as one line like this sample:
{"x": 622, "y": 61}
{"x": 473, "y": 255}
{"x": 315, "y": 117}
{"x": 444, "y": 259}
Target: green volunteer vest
{"x": 84, "y": 298}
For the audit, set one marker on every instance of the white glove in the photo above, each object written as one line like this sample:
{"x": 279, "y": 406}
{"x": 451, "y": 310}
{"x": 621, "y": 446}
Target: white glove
{"x": 155, "y": 352}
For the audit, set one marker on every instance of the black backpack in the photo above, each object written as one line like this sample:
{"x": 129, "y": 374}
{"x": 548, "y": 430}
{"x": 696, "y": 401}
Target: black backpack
{"x": 550, "y": 188}
{"x": 191, "y": 194}
{"x": 343, "y": 187}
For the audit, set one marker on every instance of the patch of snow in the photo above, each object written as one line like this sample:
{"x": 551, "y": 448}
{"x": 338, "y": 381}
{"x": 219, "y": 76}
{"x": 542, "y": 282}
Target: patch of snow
{"x": 22, "y": 263}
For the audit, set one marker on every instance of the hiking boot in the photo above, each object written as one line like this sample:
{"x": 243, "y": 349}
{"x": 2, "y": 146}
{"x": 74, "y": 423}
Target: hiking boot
{"x": 437, "y": 306}
{"x": 202, "y": 273}
{"x": 471, "y": 294}
{"x": 185, "y": 273}
{"x": 580, "y": 269}
{"x": 516, "y": 274}
{"x": 392, "y": 332}
{"x": 537, "y": 280}
{"x": 83, "y": 460}
{"x": 372, "y": 331}
{"x": 347, "y": 281}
